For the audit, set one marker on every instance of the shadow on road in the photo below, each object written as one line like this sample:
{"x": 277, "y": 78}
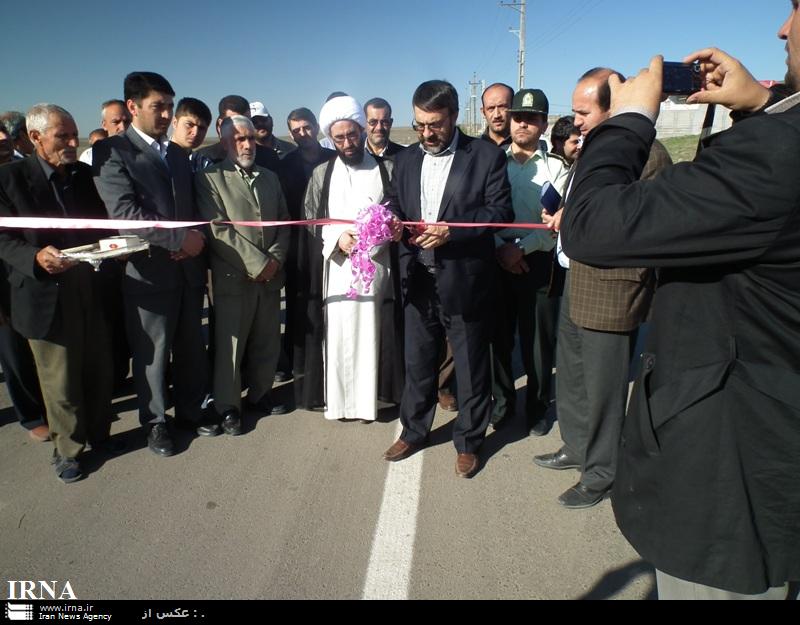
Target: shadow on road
{"x": 617, "y": 579}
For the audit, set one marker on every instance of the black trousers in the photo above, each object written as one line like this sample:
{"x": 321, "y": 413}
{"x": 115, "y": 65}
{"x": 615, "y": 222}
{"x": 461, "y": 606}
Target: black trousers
{"x": 426, "y": 327}
{"x": 19, "y": 371}
{"x": 523, "y": 303}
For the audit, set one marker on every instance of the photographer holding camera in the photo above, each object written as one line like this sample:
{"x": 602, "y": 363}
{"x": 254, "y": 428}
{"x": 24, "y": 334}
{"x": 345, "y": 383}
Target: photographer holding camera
{"x": 706, "y": 487}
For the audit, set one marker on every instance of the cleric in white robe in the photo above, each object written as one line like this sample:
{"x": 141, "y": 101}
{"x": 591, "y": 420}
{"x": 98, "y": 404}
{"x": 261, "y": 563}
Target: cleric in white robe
{"x": 355, "y": 335}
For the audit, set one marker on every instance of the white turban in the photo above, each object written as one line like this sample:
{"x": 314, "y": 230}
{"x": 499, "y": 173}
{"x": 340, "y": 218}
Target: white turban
{"x": 343, "y": 108}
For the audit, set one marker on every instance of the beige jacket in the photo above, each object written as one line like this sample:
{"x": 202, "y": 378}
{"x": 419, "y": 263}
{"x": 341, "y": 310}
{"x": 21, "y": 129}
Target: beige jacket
{"x": 240, "y": 253}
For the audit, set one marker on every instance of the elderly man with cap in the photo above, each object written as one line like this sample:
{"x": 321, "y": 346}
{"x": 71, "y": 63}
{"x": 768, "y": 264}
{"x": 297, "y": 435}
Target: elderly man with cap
{"x": 340, "y": 344}
{"x": 262, "y": 121}
{"x": 525, "y": 264}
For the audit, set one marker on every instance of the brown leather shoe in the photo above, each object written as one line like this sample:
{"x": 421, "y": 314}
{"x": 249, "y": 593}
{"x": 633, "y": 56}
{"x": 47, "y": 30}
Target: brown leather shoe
{"x": 399, "y": 451}
{"x": 466, "y": 465}
{"x": 447, "y": 401}
{"x": 40, "y": 433}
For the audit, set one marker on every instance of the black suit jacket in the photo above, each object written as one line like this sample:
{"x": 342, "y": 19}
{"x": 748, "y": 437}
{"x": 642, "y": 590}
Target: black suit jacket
{"x": 392, "y": 150}
{"x": 26, "y": 192}
{"x": 477, "y": 191}
{"x": 706, "y": 488}
{"x": 136, "y": 184}
{"x": 293, "y": 177}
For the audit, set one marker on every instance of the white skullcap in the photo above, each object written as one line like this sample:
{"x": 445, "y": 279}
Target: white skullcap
{"x": 343, "y": 108}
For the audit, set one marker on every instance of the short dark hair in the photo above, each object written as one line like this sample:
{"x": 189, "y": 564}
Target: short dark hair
{"x": 603, "y": 90}
{"x": 335, "y": 94}
{"x": 498, "y": 84}
{"x": 563, "y": 129}
{"x": 302, "y": 114}
{"x": 194, "y": 107}
{"x": 4, "y": 130}
{"x": 435, "y": 95}
{"x": 139, "y": 85}
{"x": 235, "y": 103}
{"x": 99, "y": 131}
{"x": 378, "y": 103}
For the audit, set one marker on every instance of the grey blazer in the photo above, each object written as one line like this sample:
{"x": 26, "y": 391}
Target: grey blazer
{"x": 136, "y": 184}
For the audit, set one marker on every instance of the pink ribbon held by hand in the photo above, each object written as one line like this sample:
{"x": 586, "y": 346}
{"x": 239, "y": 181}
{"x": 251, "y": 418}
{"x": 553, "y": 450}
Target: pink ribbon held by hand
{"x": 373, "y": 227}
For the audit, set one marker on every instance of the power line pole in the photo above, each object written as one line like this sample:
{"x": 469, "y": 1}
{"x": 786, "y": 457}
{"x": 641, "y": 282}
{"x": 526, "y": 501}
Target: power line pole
{"x": 519, "y": 5}
{"x": 474, "y": 118}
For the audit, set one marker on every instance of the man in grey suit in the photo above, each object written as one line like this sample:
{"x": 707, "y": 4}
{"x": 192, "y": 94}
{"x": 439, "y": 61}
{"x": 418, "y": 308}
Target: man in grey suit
{"x": 601, "y": 310}
{"x": 246, "y": 269}
{"x": 141, "y": 176}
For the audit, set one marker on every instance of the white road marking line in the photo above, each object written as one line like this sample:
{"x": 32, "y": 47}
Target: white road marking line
{"x": 389, "y": 570}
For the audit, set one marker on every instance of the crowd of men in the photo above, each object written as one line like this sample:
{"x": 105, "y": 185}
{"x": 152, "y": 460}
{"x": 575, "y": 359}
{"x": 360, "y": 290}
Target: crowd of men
{"x": 576, "y": 295}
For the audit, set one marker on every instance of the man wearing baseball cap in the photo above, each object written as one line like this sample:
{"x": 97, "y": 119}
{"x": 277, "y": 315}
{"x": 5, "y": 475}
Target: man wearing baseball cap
{"x": 524, "y": 259}
{"x": 262, "y": 120}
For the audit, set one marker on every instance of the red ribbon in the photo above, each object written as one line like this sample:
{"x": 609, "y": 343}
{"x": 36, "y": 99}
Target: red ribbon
{"x": 123, "y": 224}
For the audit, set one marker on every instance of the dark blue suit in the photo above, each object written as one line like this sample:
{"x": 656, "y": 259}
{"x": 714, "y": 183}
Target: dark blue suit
{"x": 454, "y": 299}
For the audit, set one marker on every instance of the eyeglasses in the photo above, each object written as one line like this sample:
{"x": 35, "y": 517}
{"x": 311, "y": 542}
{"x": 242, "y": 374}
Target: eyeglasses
{"x": 352, "y": 137}
{"x": 433, "y": 126}
{"x": 380, "y": 122}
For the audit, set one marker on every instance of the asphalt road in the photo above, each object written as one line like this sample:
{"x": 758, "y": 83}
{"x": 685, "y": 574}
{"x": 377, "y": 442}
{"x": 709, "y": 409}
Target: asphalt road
{"x": 290, "y": 510}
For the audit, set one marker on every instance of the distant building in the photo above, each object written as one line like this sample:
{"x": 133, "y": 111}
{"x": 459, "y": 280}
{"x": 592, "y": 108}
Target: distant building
{"x": 678, "y": 119}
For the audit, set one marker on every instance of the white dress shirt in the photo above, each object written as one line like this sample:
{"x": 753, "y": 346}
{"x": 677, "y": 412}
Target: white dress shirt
{"x": 160, "y": 146}
{"x": 435, "y": 171}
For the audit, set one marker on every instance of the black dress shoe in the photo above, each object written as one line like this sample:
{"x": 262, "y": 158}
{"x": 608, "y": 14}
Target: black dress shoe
{"x": 498, "y": 422}
{"x": 159, "y": 441}
{"x": 232, "y": 423}
{"x": 283, "y": 376}
{"x": 558, "y": 461}
{"x": 540, "y": 427}
{"x": 267, "y": 406}
{"x": 581, "y": 496}
{"x": 208, "y": 426}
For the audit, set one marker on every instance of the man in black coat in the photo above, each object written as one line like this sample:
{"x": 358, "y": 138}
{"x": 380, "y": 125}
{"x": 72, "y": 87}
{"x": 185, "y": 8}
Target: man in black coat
{"x": 379, "y": 128}
{"x": 56, "y": 303}
{"x": 447, "y": 273}
{"x": 294, "y": 173}
{"x": 706, "y": 487}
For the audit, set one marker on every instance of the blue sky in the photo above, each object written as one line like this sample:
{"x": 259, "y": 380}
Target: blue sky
{"x": 289, "y": 54}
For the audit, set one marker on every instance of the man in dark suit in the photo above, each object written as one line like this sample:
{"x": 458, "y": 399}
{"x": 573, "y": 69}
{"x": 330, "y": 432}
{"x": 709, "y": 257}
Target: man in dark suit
{"x": 706, "y": 488}
{"x": 447, "y": 273}
{"x": 142, "y": 176}
{"x": 229, "y": 106}
{"x": 56, "y": 303}
{"x": 601, "y": 311}
{"x": 295, "y": 172}
{"x": 16, "y": 359}
{"x": 379, "y": 128}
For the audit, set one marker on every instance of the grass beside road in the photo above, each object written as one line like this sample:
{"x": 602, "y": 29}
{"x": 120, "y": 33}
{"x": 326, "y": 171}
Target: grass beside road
{"x": 681, "y": 148}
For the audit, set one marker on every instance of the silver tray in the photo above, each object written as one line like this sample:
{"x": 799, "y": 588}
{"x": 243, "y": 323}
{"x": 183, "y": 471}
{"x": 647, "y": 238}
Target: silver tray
{"x": 91, "y": 253}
